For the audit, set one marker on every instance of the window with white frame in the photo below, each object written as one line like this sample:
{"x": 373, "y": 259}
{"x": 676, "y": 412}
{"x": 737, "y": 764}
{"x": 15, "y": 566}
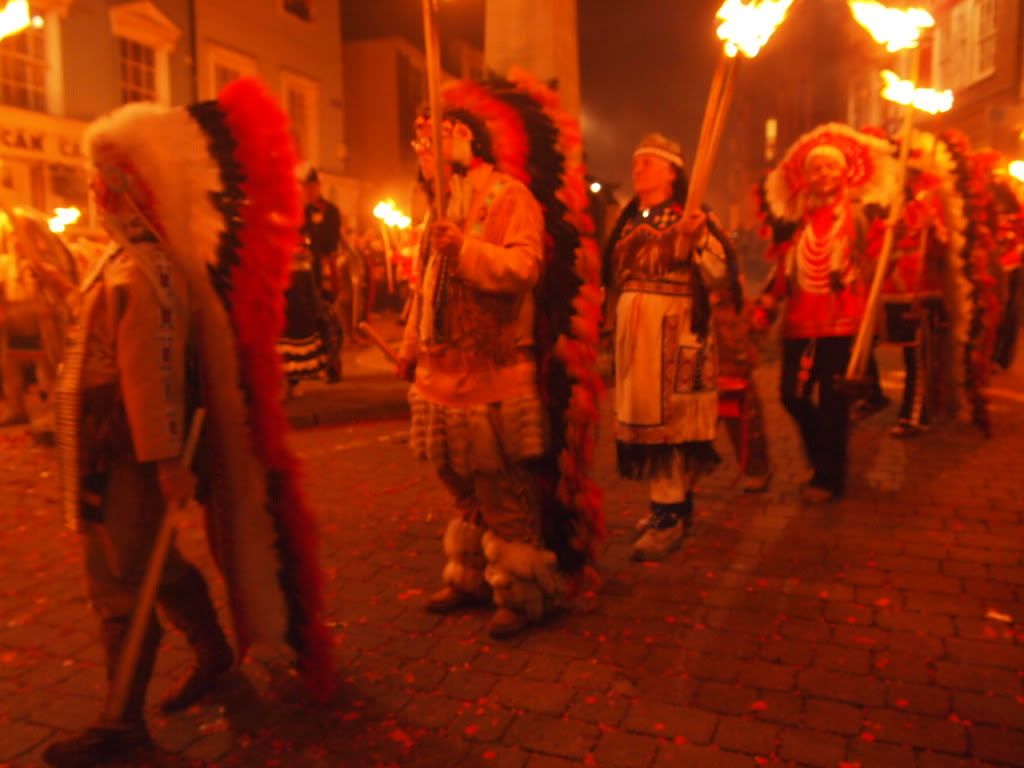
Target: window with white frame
{"x": 965, "y": 44}
{"x": 301, "y": 9}
{"x": 138, "y": 71}
{"x": 23, "y": 70}
{"x": 301, "y": 97}
{"x": 226, "y": 66}
{"x": 145, "y": 39}
{"x": 985, "y": 23}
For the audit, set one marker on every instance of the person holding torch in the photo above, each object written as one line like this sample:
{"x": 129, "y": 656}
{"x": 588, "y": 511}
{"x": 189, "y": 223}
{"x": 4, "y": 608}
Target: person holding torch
{"x": 666, "y": 402}
{"x": 502, "y": 335}
{"x": 814, "y": 203}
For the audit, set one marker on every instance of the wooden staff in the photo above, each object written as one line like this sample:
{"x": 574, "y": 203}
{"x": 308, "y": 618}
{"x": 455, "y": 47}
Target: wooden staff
{"x": 129, "y": 658}
{"x": 377, "y": 339}
{"x": 861, "y": 352}
{"x": 723, "y": 85}
{"x": 432, "y": 52}
{"x": 389, "y": 257}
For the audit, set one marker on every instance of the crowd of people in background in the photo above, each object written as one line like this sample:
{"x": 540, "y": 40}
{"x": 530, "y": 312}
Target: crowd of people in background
{"x": 342, "y": 273}
{"x": 339, "y": 278}
{"x": 502, "y": 317}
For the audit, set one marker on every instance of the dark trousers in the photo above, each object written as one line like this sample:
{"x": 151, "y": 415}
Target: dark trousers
{"x": 1009, "y": 328}
{"x": 825, "y": 423}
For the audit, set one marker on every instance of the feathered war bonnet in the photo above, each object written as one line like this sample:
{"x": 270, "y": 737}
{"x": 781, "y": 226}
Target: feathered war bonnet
{"x": 532, "y": 139}
{"x": 215, "y": 183}
{"x": 868, "y": 160}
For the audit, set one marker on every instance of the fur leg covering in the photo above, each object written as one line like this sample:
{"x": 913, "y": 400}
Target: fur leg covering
{"x": 524, "y": 578}
{"x": 463, "y": 546}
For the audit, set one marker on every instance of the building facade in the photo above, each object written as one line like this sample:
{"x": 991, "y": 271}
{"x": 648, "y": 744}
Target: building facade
{"x": 385, "y": 85}
{"x": 295, "y": 47}
{"x": 87, "y": 57}
{"x": 976, "y": 50}
{"x": 83, "y": 59}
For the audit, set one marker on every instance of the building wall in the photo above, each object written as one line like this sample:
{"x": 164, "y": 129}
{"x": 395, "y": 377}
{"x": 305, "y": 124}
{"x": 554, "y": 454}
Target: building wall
{"x": 41, "y": 162}
{"x": 92, "y": 75}
{"x": 539, "y": 36}
{"x": 283, "y": 49}
{"x": 385, "y": 81}
{"x": 371, "y": 82}
{"x": 991, "y": 111}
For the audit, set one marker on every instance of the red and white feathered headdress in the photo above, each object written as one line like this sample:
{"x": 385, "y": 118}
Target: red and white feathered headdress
{"x": 535, "y": 141}
{"x": 870, "y": 170}
{"x": 214, "y": 182}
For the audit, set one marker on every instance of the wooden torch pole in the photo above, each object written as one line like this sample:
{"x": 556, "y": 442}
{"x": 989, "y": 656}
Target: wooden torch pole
{"x": 862, "y": 345}
{"x": 142, "y": 615}
{"x": 432, "y": 50}
{"x": 389, "y": 257}
{"x": 723, "y": 85}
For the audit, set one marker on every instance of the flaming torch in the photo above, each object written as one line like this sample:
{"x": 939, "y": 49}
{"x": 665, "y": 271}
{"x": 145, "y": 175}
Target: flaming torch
{"x": 744, "y": 29}
{"x": 16, "y": 17}
{"x": 1016, "y": 170}
{"x": 897, "y": 30}
{"x": 62, "y": 217}
{"x": 906, "y": 93}
{"x": 389, "y": 216}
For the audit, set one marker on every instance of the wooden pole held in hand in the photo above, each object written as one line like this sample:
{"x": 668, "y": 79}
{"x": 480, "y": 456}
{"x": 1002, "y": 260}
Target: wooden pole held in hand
{"x": 723, "y": 85}
{"x": 432, "y": 51}
{"x": 377, "y": 339}
{"x": 860, "y": 354}
{"x": 128, "y": 659}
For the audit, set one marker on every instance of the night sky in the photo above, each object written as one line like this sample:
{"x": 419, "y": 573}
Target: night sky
{"x": 645, "y": 65}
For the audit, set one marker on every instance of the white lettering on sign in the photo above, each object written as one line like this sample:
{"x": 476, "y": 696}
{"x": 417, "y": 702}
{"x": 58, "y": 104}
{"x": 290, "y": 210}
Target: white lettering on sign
{"x": 39, "y": 142}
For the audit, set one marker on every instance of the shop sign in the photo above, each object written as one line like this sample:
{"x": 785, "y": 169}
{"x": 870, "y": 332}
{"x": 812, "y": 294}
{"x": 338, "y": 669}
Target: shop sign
{"x": 39, "y": 142}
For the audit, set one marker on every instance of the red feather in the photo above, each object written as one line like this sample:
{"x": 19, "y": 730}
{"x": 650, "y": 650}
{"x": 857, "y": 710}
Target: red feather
{"x": 269, "y": 237}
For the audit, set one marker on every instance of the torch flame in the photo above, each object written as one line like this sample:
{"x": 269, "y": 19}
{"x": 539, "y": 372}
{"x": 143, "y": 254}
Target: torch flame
{"x": 746, "y": 28}
{"x": 62, "y": 217}
{"x": 386, "y": 211}
{"x": 15, "y": 17}
{"x": 894, "y": 28}
{"x": 1016, "y": 170}
{"x": 905, "y": 92}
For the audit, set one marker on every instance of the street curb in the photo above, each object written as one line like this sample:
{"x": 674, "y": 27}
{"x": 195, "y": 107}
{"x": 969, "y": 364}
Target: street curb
{"x": 350, "y": 401}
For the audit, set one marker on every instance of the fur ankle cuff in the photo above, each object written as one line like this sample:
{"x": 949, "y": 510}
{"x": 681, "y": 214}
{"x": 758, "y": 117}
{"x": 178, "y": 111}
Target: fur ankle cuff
{"x": 524, "y": 578}
{"x": 465, "y": 567}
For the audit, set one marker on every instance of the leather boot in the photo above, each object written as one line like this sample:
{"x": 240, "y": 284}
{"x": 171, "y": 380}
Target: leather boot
{"x": 127, "y": 738}
{"x": 188, "y": 607}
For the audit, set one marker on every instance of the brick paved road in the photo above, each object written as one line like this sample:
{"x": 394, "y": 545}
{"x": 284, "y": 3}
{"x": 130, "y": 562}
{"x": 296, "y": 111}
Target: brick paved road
{"x": 860, "y": 633}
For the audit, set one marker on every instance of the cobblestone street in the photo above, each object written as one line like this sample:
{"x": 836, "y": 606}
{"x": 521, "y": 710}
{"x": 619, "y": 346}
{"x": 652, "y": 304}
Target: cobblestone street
{"x": 883, "y": 630}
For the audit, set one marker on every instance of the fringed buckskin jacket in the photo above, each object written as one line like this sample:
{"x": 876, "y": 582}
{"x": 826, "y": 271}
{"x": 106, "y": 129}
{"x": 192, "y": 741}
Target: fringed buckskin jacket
{"x": 471, "y": 328}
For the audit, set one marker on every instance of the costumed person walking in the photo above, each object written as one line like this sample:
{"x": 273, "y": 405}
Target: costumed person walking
{"x": 914, "y": 303}
{"x": 181, "y": 313}
{"x": 813, "y": 202}
{"x": 666, "y": 368}
{"x": 502, "y": 336}
{"x": 301, "y": 346}
{"x": 1008, "y": 195}
{"x": 35, "y": 269}
{"x": 321, "y": 231}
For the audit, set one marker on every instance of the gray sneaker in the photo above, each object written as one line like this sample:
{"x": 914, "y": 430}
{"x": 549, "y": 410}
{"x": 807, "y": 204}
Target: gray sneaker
{"x": 657, "y": 543}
